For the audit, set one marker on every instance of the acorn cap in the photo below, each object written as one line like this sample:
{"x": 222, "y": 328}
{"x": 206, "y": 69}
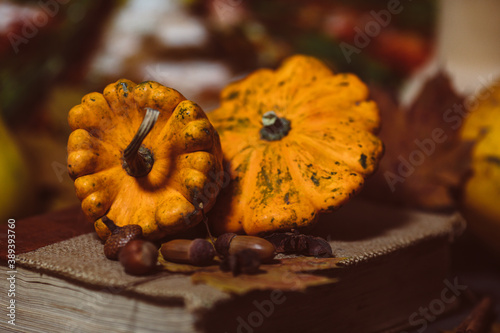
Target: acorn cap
{"x": 222, "y": 243}
{"x": 119, "y": 238}
{"x": 201, "y": 252}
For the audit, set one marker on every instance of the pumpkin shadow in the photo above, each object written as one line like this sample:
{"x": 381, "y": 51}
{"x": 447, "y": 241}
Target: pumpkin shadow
{"x": 147, "y": 183}
{"x": 359, "y": 220}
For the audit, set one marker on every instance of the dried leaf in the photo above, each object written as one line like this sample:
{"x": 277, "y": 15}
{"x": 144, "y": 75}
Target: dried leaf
{"x": 246, "y": 261}
{"x": 183, "y": 268}
{"x": 296, "y": 243}
{"x": 425, "y": 160}
{"x": 294, "y": 274}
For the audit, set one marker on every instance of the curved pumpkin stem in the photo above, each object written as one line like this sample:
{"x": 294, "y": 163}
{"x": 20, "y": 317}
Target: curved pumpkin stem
{"x": 274, "y": 127}
{"x": 138, "y": 160}
{"x": 109, "y": 223}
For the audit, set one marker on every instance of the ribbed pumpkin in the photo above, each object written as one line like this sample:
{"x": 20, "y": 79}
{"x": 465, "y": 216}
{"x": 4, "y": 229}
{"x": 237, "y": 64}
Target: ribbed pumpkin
{"x": 143, "y": 154}
{"x": 299, "y": 141}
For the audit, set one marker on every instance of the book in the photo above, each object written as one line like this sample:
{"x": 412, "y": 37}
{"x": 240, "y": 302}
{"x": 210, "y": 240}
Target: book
{"x": 392, "y": 275}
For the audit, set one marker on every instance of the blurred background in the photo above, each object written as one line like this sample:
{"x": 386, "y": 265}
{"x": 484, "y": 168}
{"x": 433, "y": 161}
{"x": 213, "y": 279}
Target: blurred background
{"x": 55, "y": 51}
{"x": 420, "y": 58}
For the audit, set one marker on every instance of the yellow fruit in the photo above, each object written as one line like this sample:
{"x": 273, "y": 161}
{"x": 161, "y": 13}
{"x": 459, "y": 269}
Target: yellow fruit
{"x": 481, "y": 192}
{"x": 13, "y": 176}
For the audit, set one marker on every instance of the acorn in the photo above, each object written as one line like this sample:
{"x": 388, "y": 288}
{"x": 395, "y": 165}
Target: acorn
{"x": 120, "y": 236}
{"x": 229, "y": 243}
{"x": 246, "y": 261}
{"x": 197, "y": 252}
{"x": 296, "y": 243}
{"x": 139, "y": 257}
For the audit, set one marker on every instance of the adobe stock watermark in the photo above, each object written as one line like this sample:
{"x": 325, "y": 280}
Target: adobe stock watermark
{"x": 263, "y": 309}
{"x": 424, "y": 148}
{"x": 225, "y": 9}
{"x": 31, "y": 26}
{"x": 372, "y": 29}
{"x": 421, "y": 318}
{"x": 60, "y": 170}
{"x": 218, "y": 181}
{"x": 11, "y": 271}
{"x": 156, "y": 73}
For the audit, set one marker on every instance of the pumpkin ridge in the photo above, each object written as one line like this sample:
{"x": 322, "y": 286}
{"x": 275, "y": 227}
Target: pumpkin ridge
{"x": 340, "y": 88}
{"x": 83, "y": 142}
{"x": 136, "y": 210}
{"x": 84, "y": 162}
{"x": 358, "y": 117}
{"x": 118, "y": 93}
{"x": 108, "y": 147}
{"x": 240, "y": 118}
{"x": 246, "y": 181}
{"x": 237, "y": 94}
{"x": 277, "y": 213}
{"x": 264, "y": 185}
{"x": 236, "y": 169}
{"x": 314, "y": 184}
{"x": 171, "y": 220}
{"x": 185, "y": 115}
{"x": 94, "y": 182}
{"x": 350, "y": 157}
{"x": 244, "y": 144}
{"x": 191, "y": 184}
{"x": 114, "y": 132}
{"x": 201, "y": 160}
{"x": 150, "y": 94}
{"x": 167, "y": 136}
{"x": 296, "y": 176}
{"x": 296, "y": 73}
{"x": 234, "y": 124}
{"x": 197, "y": 135}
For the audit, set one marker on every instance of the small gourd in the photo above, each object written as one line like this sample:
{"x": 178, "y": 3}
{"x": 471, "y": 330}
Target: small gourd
{"x": 300, "y": 141}
{"x": 143, "y": 154}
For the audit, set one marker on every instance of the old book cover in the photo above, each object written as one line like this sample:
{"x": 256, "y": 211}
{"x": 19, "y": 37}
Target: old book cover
{"x": 390, "y": 264}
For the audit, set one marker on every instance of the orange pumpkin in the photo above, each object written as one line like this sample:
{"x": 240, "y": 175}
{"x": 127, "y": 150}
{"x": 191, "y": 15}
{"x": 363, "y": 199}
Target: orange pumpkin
{"x": 156, "y": 178}
{"x": 300, "y": 141}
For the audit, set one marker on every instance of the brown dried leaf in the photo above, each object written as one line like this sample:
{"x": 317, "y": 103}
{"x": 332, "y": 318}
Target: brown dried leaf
{"x": 425, "y": 160}
{"x": 291, "y": 273}
{"x": 296, "y": 243}
{"x": 294, "y": 274}
{"x": 183, "y": 268}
